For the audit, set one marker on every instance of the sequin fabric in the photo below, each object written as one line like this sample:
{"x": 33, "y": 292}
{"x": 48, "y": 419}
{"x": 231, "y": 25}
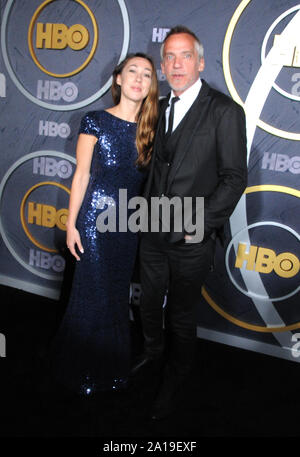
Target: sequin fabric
{"x": 92, "y": 347}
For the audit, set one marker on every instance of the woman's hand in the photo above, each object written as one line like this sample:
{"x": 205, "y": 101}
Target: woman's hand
{"x": 73, "y": 240}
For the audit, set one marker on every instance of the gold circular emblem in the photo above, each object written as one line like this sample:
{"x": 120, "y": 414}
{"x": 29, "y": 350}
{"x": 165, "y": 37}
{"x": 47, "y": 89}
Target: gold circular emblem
{"x": 75, "y": 36}
{"x": 22, "y": 212}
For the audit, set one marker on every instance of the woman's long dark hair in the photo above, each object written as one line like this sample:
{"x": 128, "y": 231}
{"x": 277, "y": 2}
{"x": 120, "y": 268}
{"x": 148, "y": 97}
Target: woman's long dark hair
{"x": 147, "y": 116}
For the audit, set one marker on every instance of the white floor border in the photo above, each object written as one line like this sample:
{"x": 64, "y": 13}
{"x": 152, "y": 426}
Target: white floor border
{"x": 247, "y": 343}
{"x": 29, "y": 287}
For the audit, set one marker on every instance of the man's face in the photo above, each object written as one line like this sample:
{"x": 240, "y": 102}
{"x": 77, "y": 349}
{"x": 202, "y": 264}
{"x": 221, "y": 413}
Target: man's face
{"x": 181, "y": 63}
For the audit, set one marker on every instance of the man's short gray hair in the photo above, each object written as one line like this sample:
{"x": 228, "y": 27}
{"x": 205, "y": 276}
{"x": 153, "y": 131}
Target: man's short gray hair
{"x": 182, "y": 29}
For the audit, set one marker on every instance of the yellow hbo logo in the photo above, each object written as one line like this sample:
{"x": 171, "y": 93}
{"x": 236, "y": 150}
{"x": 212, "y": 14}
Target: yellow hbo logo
{"x": 59, "y": 36}
{"x": 47, "y": 215}
{"x": 43, "y": 215}
{"x": 263, "y": 260}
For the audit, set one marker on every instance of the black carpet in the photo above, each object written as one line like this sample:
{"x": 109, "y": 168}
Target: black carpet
{"x": 231, "y": 393}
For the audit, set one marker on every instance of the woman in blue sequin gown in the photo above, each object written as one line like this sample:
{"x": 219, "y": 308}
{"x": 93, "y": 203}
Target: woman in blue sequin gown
{"x": 91, "y": 351}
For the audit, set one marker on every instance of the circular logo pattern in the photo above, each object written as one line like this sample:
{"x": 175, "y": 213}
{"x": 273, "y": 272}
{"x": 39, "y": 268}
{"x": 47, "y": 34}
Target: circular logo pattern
{"x": 260, "y": 263}
{"x": 44, "y": 209}
{"x": 291, "y": 50}
{"x": 62, "y": 216}
{"x": 285, "y": 265}
{"x": 77, "y": 35}
{"x": 228, "y": 73}
{"x": 57, "y": 37}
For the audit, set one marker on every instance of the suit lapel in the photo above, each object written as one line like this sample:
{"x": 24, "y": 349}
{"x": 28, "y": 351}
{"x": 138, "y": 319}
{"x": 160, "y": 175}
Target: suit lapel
{"x": 193, "y": 120}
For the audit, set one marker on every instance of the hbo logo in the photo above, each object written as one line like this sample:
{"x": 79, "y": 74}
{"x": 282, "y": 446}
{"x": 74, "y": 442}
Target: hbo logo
{"x": 49, "y": 128}
{"x": 47, "y": 215}
{"x": 47, "y": 261}
{"x": 159, "y": 34}
{"x": 281, "y": 162}
{"x": 263, "y": 260}
{"x": 59, "y": 36}
{"x": 48, "y": 166}
{"x": 55, "y": 90}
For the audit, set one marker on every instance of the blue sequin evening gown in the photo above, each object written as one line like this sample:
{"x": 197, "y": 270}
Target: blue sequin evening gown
{"x": 92, "y": 348}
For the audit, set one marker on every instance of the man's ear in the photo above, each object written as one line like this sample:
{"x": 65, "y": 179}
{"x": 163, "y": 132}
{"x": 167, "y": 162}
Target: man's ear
{"x": 162, "y": 66}
{"x": 201, "y": 64}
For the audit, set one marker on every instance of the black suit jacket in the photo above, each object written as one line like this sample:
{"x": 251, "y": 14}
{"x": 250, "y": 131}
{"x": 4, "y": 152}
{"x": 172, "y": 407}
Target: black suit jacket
{"x": 210, "y": 160}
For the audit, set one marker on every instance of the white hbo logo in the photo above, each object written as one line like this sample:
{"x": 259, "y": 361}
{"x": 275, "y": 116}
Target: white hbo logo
{"x": 46, "y": 261}
{"x": 48, "y": 166}
{"x": 55, "y": 91}
{"x": 159, "y": 34}
{"x": 50, "y": 128}
{"x": 281, "y": 162}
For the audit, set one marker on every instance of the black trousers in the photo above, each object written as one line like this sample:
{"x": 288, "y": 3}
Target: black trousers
{"x": 179, "y": 270}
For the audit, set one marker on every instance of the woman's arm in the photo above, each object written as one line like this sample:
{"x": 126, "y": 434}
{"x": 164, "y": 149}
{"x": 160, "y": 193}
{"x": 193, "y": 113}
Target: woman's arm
{"x": 84, "y": 153}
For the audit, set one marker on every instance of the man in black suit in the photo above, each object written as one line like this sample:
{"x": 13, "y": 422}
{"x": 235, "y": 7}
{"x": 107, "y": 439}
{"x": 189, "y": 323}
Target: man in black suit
{"x": 199, "y": 151}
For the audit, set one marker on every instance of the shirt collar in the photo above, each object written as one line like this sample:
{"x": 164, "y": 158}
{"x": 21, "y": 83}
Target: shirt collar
{"x": 189, "y": 95}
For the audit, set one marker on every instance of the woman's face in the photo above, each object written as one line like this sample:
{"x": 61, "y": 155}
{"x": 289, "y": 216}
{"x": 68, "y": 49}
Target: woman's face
{"x": 135, "y": 79}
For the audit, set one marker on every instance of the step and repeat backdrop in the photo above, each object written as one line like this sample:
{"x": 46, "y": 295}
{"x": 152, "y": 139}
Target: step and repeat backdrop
{"x": 55, "y": 65}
